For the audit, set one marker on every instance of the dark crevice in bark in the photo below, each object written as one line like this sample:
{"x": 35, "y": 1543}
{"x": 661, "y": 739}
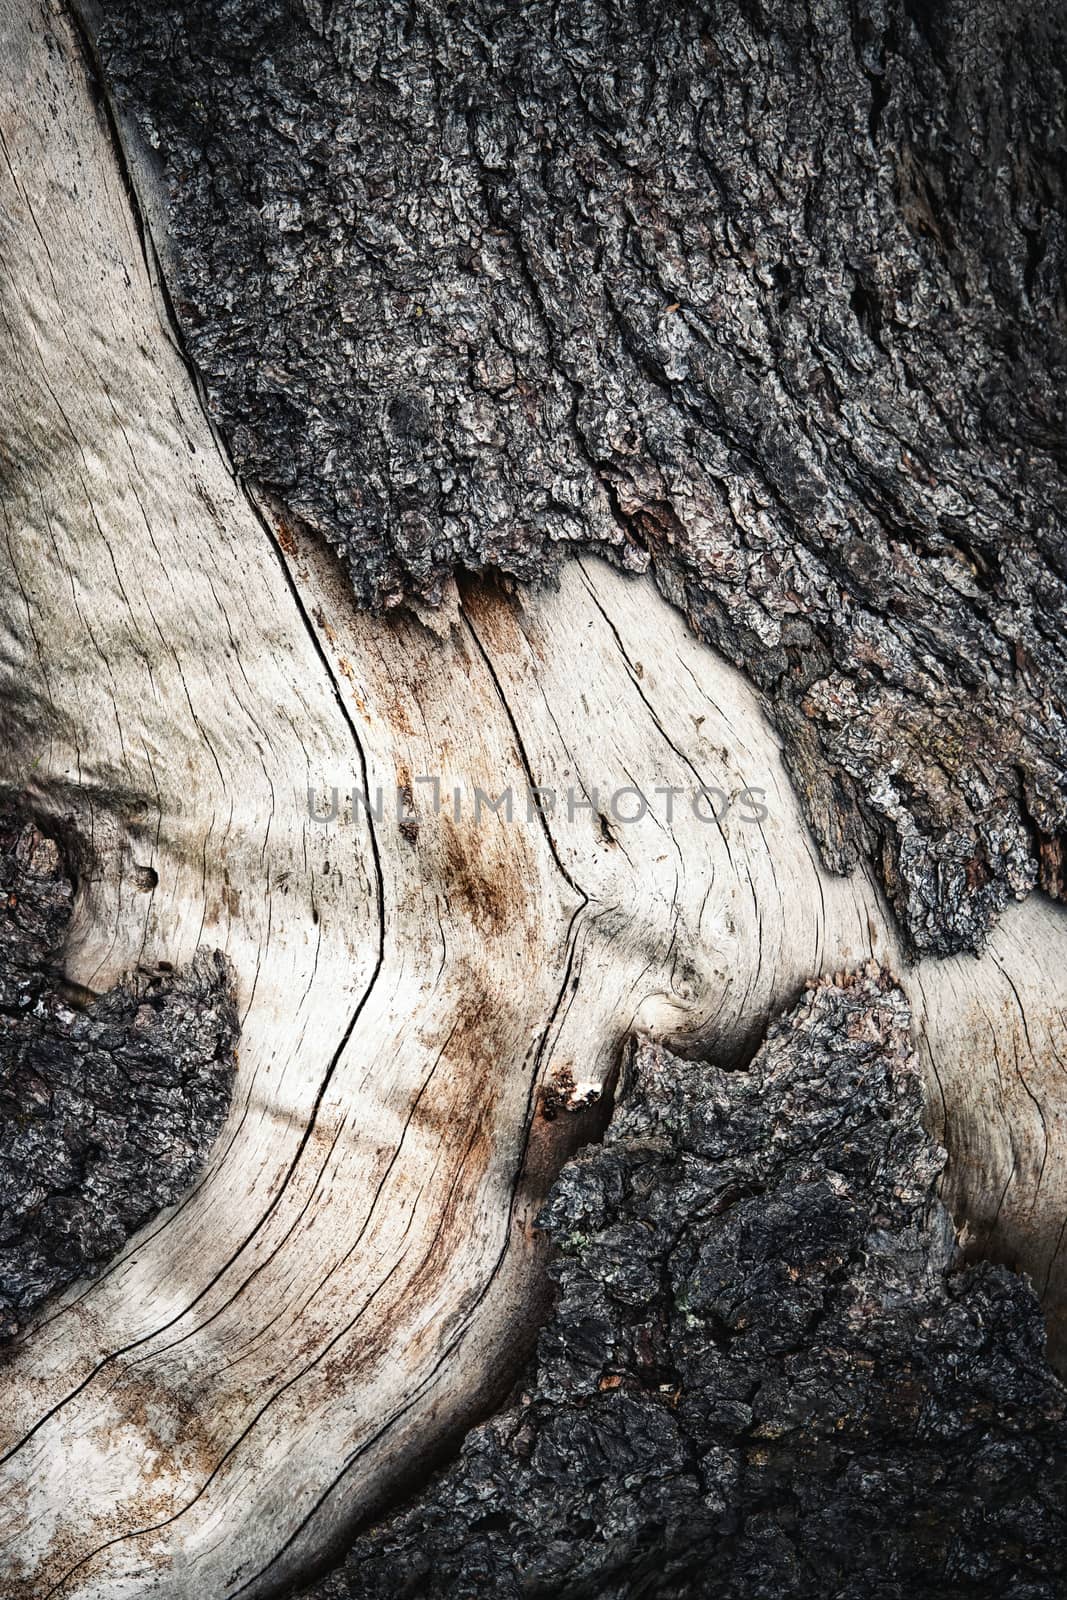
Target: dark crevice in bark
{"x": 768, "y": 1373}
{"x": 772, "y": 300}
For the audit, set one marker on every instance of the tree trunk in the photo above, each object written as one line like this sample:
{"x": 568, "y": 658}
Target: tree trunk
{"x": 433, "y": 1001}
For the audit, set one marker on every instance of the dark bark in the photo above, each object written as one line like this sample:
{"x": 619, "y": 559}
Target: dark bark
{"x": 770, "y": 297}
{"x": 768, "y": 1374}
{"x": 107, "y": 1110}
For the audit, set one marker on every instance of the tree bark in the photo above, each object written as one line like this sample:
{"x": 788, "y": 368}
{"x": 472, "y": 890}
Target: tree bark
{"x": 106, "y": 1111}
{"x": 764, "y": 1371}
{"x": 433, "y": 1005}
{"x": 770, "y": 299}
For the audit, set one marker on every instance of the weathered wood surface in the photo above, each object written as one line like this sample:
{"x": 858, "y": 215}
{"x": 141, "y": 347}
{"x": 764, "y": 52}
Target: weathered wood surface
{"x": 354, "y": 1274}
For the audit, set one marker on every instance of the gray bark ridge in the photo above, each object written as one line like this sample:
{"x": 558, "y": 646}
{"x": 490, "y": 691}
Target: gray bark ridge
{"x": 107, "y": 1110}
{"x": 767, "y": 1376}
{"x": 770, "y": 298}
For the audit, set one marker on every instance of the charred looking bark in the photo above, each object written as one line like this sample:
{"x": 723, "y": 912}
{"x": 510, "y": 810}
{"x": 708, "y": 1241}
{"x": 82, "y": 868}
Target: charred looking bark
{"x": 771, "y": 298}
{"x": 107, "y": 1109}
{"x": 767, "y": 1373}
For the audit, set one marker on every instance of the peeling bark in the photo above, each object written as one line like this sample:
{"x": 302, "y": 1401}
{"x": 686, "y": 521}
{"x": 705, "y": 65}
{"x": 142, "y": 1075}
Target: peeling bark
{"x": 772, "y": 299}
{"x": 767, "y": 1375}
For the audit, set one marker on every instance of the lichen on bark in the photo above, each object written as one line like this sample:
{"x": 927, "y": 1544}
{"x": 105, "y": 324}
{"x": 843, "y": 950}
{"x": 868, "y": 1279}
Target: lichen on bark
{"x": 107, "y": 1109}
{"x": 767, "y": 1375}
{"x": 770, "y": 298}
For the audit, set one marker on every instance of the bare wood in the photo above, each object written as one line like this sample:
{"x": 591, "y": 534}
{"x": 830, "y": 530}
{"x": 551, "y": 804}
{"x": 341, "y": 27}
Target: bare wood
{"x": 355, "y": 1269}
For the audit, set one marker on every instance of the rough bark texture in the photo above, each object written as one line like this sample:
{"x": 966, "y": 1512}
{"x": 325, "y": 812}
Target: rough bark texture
{"x": 106, "y": 1110}
{"x": 767, "y": 1371}
{"x": 771, "y": 297}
